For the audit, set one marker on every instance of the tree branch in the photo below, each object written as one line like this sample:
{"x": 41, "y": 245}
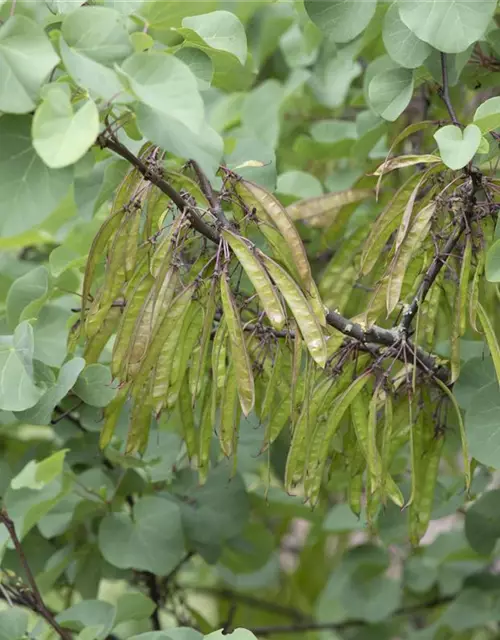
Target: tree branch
{"x": 156, "y": 178}
{"x": 206, "y": 187}
{"x": 301, "y": 627}
{"x": 38, "y": 603}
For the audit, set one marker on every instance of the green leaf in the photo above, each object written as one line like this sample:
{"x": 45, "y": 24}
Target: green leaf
{"x": 340, "y": 518}
{"x": 205, "y": 147}
{"x": 94, "y": 385}
{"x": 95, "y": 613}
{"x": 474, "y": 374}
{"x": 448, "y": 25}
{"x": 214, "y": 512}
{"x": 27, "y": 295}
{"x": 220, "y": 30}
{"x": 13, "y": 624}
{"x": 61, "y": 136}
{"x": 99, "y": 80}
{"x": 36, "y": 475}
{"x": 41, "y": 413}
{"x": 151, "y": 541}
{"x": 482, "y": 522}
{"x": 457, "y": 148}
{"x": 390, "y": 92}
{"x": 180, "y": 633}
{"x": 99, "y": 33}
{"x": 166, "y": 85}
{"x": 481, "y": 422}
{"x": 342, "y": 20}
{"x": 133, "y": 606}
{"x": 402, "y": 44}
{"x": 51, "y": 332}
{"x": 21, "y": 39}
{"x": 492, "y": 267}
{"x": 199, "y": 63}
{"x": 487, "y": 116}
{"x": 17, "y": 386}
{"x": 29, "y": 190}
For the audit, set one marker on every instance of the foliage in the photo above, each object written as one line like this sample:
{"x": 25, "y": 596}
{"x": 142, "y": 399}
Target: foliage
{"x": 249, "y": 348}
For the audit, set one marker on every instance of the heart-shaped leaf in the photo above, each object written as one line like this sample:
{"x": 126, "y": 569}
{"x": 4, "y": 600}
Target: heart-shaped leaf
{"x": 150, "y": 541}
{"x": 487, "y": 116}
{"x": 457, "y": 148}
{"x": 61, "y": 135}
{"x": 492, "y": 269}
{"x": 390, "y": 92}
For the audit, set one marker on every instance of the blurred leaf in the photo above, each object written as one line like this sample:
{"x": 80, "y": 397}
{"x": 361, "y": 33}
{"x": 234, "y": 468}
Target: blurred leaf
{"x": 13, "y": 624}
{"x": 341, "y": 20}
{"x": 95, "y": 385}
{"x": 220, "y": 30}
{"x": 390, "y": 92}
{"x": 150, "y": 541}
{"x": 93, "y": 613}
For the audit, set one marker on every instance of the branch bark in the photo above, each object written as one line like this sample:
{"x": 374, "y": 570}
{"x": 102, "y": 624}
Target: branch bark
{"x": 38, "y": 604}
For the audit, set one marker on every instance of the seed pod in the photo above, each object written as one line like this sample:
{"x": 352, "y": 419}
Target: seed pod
{"x": 243, "y": 368}
{"x": 259, "y": 278}
{"x": 301, "y": 309}
{"x": 111, "y": 415}
{"x": 187, "y": 419}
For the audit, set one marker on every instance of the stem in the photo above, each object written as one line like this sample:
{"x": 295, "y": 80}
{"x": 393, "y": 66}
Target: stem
{"x": 156, "y": 179}
{"x": 206, "y": 187}
{"x": 39, "y": 604}
{"x": 445, "y": 91}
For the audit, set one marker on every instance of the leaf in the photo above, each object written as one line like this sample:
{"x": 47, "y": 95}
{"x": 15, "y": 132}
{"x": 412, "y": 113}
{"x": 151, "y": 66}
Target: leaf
{"x": 166, "y": 85}
{"x": 133, "y": 606}
{"x": 481, "y": 421}
{"x": 99, "y": 614}
{"x": 237, "y": 634}
{"x": 27, "y": 295}
{"x": 21, "y": 39}
{"x": 17, "y": 386}
{"x": 151, "y": 541}
{"x": 13, "y": 624}
{"x": 94, "y": 385}
{"x": 399, "y": 162}
{"x": 259, "y": 278}
{"x": 41, "y": 412}
{"x": 61, "y": 136}
{"x": 487, "y": 116}
{"x": 457, "y": 148}
{"x": 390, "y": 92}
{"x": 402, "y": 44}
{"x": 492, "y": 267}
{"x": 99, "y": 80}
{"x": 239, "y": 353}
{"x": 448, "y": 25}
{"x": 491, "y": 339}
{"x": 301, "y": 309}
{"x": 220, "y": 30}
{"x": 36, "y": 475}
{"x": 99, "y": 33}
{"x": 342, "y": 20}
{"x": 29, "y": 190}
{"x": 482, "y": 525}
{"x": 328, "y": 204}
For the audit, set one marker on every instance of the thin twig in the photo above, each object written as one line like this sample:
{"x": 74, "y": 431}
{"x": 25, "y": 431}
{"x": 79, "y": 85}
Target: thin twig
{"x": 444, "y": 91}
{"x": 155, "y": 596}
{"x": 39, "y": 604}
{"x": 206, "y": 187}
{"x": 155, "y": 178}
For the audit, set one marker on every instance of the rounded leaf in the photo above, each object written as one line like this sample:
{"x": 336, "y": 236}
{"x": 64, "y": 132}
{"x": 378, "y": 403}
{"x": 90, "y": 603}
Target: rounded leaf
{"x": 390, "y": 92}
{"x": 342, "y": 20}
{"x": 457, "y": 148}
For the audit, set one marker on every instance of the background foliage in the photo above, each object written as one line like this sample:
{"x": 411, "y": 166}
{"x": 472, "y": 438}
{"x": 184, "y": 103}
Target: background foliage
{"x": 188, "y": 362}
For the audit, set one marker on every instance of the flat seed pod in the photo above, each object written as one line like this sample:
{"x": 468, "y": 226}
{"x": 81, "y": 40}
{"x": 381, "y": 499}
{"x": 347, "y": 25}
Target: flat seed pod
{"x": 386, "y": 223}
{"x": 187, "y": 419}
{"x": 326, "y": 204}
{"x": 229, "y": 416}
{"x": 301, "y": 309}
{"x": 460, "y": 310}
{"x": 219, "y": 354}
{"x": 163, "y": 294}
{"x": 272, "y": 384}
{"x": 174, "y": 315}
{"x": 135, "y": 296}
{"x": 165, "y": 247}
{"x": 165, "y": 361}
{"x": 354, "y": 493}
{"x": 491, "y": 340}
{"x": 140, "y": 423}
{"x": 281, "y": 414}
{"x": 474, "y": 287}
{"x": 205, "y": 432}
{"x": 323, "y": 436}
{"x": 267, "y": 208}
{"x": 97, "y": 250}
{"x": 410, "y": 243}
{"x": 279, "y": 247}
{"x": 180, "y": 181}
{"x": 111, "y": 415}
{"x": 193, "y": 326}
{"x": 96, "y": 344}
{"x": 239, "y": 354}
{"x": 259, "y": 278}
{"x": 201, "y": 360}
